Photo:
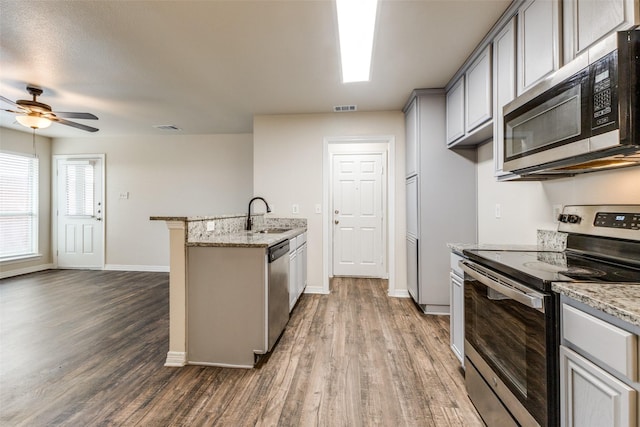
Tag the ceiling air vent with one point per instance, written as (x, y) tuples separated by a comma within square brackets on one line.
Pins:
[(344, 108), (172, 128)]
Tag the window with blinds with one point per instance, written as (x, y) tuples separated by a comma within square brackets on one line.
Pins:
[(79, 186), (18, 205)]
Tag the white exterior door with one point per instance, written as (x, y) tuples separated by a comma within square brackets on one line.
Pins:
[(80, 212), (358, 198)]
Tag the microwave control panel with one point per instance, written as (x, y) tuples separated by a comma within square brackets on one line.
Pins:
[(603, 84)]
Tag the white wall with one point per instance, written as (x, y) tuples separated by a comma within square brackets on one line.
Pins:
[(528, 206), (177, 175), (288, 168), (22, 142)]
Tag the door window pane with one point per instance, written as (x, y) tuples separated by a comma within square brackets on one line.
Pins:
[(79, 189)]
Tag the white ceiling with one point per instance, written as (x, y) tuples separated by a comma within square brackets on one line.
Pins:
[(209, 66)]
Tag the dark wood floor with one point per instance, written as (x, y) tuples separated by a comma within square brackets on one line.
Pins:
[(84, 348)]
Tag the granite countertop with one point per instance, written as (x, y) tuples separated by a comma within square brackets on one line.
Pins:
[(195, 218), (247, 239), (619, 300)]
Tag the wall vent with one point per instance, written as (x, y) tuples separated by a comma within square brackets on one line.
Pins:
[(344, 108), (172, 128)]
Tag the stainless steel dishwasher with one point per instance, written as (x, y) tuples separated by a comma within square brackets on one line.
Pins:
[(278, 291)]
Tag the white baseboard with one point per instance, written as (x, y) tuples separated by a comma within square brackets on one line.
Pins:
[(127, 267), (176, 359), (25, 270), (399, 293), (315, 290)]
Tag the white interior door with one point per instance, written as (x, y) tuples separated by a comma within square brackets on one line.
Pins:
[(80, 212), (357, 194)]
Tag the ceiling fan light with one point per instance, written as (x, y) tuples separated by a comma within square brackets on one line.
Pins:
[(34, 121)]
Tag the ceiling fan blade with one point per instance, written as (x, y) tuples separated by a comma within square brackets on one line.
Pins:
[(74, 124), (70, 115), (13, 111), (8, 101)]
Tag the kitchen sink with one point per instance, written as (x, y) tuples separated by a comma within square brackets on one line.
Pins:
[(272, 231)]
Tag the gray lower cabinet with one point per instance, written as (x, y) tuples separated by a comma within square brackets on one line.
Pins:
[(598, 370), (297, 268)]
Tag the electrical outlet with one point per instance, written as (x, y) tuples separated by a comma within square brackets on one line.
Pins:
[(124, 195), (211, 225), (557, 210), (498, 211), (318, 208), (295, 208)]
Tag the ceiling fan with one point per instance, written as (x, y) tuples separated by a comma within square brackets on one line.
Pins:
[(36, 115)]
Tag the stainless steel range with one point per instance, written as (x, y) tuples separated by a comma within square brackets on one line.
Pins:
[(511, 314)]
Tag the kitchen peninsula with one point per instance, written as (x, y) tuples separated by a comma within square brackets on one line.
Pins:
[(219, 287)]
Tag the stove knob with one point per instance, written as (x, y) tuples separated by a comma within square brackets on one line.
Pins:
[(574, 219), (562, 218)]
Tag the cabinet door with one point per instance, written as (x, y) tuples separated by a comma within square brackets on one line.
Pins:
[(455, 111), (478, 91), (303, 255), (591, 397), (293, 276), (504, 86), (538, 42), (588, 21), (412, 267), (456, 327), (299, 272), (411, 131)]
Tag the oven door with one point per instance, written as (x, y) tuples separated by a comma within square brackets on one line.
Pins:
[(507, 331)]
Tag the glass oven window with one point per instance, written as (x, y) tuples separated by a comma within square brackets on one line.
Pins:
[(511, 338)]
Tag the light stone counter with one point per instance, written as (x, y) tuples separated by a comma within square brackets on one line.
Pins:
[(246, 239), (619, 300)]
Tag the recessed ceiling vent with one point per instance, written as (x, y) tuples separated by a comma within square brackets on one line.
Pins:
[(344, 108), (172, 128)]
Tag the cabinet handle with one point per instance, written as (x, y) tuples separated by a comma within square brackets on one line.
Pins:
[(336, 221)]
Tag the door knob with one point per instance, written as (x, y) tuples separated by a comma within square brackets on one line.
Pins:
[(336, 221)]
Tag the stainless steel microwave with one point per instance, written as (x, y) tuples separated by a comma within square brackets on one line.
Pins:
[(585, 117)]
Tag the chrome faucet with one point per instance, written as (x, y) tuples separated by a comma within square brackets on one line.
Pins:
[(249, 211)]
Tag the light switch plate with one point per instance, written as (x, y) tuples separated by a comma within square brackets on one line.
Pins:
[(318, 208), (295, 208), (124, 195)]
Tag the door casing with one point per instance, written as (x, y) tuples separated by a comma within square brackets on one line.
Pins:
[(384, 144)]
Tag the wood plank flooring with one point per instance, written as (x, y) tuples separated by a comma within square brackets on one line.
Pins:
[(80, 348)]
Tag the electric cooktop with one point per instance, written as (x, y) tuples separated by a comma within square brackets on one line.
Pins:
[(539, 269)]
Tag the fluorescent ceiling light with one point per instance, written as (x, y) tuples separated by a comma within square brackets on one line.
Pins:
[(356, 23)]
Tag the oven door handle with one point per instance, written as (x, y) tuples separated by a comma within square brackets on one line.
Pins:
[(499, 283)]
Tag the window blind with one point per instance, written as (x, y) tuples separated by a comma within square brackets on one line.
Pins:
[(79, 186), (18, 205)]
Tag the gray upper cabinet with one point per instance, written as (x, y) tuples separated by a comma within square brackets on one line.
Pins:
[(469, 104), (478, 92), (455, 112), (504, 86), (411, 128), (538, 42), (585, 22)]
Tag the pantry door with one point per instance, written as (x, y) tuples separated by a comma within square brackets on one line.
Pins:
[(79, 214), (357, 211)]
